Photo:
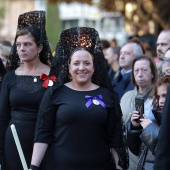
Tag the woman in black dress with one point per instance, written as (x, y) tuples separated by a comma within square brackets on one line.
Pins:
[(23, 88), (80, 120)]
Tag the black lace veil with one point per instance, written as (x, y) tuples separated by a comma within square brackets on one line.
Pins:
[(34, 22), (81, 37)]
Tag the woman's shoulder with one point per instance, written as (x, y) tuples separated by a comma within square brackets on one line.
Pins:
[(10, 74), (9, 77), (129, 94)]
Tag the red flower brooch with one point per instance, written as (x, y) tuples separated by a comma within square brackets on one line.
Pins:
[(48, 80)]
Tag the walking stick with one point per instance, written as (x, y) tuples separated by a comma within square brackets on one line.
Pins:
[(17, 142)]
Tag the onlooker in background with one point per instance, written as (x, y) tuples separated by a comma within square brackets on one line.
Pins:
[(163, 43), (122, 83), (112, 57), (160, 91), (6, 43), (5, 48), (135, 30), (143, 132), (137, 41), (4, 53), (113, 43), (162, 160), (148, 40), (144, 75), (164, 68), (105, 44)]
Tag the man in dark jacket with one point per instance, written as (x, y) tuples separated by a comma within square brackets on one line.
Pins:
[(122, 83)]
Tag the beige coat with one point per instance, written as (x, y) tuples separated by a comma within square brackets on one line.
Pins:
[(127, 106)]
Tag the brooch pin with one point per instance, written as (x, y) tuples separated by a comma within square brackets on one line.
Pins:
[(95, 100), (48, 80)]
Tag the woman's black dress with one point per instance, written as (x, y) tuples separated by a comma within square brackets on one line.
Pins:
[(80, 138), (20, 99)]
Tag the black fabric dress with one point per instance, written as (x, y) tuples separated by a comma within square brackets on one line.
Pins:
[(20, 99), (80, 138)]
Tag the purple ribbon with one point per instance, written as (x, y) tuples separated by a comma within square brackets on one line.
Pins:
[(91, 99)]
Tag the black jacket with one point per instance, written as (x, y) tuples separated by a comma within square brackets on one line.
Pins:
[(122, 83), (142, 142)]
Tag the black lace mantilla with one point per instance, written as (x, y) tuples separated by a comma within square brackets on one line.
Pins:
[(121, 148)]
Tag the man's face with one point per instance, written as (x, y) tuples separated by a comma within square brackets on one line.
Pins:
[(126, 57), (110, 56), (163, 43)]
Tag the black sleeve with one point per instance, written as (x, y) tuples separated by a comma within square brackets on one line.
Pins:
[(4, 109), (44, 132), (133, 138), (149, 136)]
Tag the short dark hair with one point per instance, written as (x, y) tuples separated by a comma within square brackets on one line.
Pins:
[(152, 66), (105, 43)]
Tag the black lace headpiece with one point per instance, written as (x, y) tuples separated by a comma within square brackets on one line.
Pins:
[(81, 37), (34, 22)]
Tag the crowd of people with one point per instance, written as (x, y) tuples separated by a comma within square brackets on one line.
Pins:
[(76, 109)]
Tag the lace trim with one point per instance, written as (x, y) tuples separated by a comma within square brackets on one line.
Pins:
[(27, 83)]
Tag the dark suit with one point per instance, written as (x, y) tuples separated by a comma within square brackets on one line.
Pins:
[(162, 161), (122, 84)]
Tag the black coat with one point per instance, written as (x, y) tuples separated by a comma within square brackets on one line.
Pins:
[(142, 142), (162, 161), (122, 83)]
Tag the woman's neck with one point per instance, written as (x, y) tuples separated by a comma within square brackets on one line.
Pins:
[(31, 65), (144, 89), (82, 87), (33, 69)]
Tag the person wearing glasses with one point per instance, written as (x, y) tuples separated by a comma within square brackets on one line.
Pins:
[(167, 54), (164, 68)]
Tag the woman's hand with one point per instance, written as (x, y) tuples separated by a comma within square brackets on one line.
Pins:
[(135, 118), (145, 121)]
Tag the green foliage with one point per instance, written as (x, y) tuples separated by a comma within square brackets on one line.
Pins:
[(53, 25), (2, 11)]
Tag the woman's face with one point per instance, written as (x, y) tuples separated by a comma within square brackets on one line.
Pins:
[(81, 67), (161, 92), (142, 74), (27, 49)]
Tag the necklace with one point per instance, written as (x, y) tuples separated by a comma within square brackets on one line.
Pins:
[(35, 79)]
